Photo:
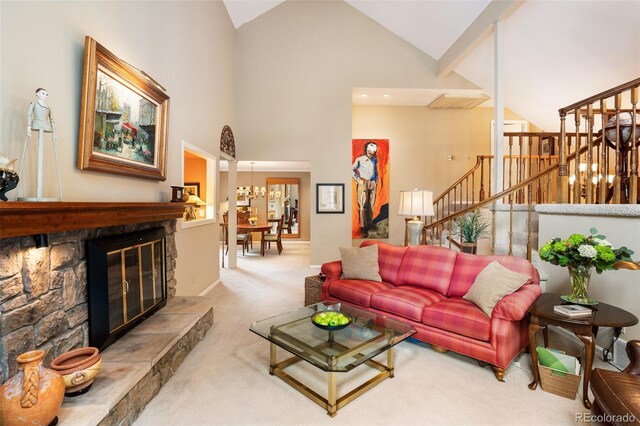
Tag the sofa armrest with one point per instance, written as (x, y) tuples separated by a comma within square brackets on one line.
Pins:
[(514, 306), (332, 270)]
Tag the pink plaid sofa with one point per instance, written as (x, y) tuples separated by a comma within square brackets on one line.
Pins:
[(424, 285)]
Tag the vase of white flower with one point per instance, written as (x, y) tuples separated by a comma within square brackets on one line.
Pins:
[(581, 254), (580, 286)]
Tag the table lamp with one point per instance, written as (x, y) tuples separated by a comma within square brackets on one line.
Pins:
[(415, 203), (192, 204)]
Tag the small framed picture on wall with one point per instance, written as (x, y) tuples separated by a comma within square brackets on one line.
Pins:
[(329, 198), (192, 188), (242, 199)]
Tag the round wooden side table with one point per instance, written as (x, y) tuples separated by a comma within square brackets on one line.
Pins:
[(541, 315)]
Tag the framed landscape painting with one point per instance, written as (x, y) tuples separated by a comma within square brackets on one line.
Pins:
[(123, 117)]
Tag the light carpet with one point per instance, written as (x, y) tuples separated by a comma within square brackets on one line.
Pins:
[(225, 379)]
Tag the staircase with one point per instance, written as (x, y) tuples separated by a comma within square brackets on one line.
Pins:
[(592, 166)]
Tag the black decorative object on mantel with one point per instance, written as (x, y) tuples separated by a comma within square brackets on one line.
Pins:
[(8, 181)]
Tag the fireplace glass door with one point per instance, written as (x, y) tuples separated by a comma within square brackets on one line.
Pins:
[(128, 275)]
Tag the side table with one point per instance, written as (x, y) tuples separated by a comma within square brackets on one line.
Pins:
[(313, 289), (541, 315)]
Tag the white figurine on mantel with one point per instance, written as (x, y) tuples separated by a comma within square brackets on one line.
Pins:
[(39, 118)]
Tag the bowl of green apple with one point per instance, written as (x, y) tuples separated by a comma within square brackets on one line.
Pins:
[(331, 320)]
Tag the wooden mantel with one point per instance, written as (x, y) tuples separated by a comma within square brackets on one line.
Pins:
[(31, 218)]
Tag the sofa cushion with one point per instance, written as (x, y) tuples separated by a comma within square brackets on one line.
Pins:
[(468, 266), (389, 259), (458, 316), (429, 267), (406, 301), (357, 291), (360, 263), (492, 284)]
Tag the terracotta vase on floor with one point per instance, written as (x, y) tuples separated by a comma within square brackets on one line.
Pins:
[(33, 396)]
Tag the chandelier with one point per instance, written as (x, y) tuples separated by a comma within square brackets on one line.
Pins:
[(251, 192), (596, 178)]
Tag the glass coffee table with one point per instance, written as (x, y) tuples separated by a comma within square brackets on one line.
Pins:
[(339, 351)]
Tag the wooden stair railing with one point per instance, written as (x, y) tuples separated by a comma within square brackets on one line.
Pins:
[(609, 172), (619, 163), (434, 230), (528, 153)]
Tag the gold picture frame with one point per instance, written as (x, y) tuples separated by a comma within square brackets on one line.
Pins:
[(124, 117)]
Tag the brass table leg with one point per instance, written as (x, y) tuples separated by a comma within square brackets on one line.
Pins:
[(272, 358), (332, 403), (332, 407)]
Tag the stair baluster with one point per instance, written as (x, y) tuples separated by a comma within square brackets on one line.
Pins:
[(633, 178)]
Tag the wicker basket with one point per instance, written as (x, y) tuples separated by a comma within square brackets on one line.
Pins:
[(559, 382), (313, 289)]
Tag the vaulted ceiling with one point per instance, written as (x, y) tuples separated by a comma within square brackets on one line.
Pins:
[(555, 52)]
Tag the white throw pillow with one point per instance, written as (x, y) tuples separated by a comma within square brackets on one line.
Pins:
[(360, 263), (492, 284)]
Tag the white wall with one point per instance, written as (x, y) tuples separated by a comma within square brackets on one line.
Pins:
[(621, 226), (296, 67), (186, 46), (555, 54)]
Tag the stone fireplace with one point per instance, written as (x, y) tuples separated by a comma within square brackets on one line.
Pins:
[(43, 292)]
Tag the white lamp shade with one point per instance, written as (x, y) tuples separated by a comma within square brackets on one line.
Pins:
[(416, 203)]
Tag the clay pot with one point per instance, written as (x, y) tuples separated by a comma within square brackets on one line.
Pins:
[(468, 247), (33, 396), (78, 368)]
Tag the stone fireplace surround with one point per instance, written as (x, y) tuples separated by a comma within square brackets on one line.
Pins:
[(43, 292), (43, 303)]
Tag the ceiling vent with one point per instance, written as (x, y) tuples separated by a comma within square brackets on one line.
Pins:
[(458, 101)]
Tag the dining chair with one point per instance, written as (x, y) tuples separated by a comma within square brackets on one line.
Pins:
[(242, 239), (289, 223), (274, 238)]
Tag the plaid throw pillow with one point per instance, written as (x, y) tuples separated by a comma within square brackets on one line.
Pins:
[(360, 263), (492, 284)]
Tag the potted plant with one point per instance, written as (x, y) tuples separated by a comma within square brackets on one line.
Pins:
[(472, 227), (580, 254)]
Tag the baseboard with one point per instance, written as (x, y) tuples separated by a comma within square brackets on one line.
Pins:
[(211, 287)]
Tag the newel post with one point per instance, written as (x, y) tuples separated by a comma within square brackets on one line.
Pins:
[(562, 185)]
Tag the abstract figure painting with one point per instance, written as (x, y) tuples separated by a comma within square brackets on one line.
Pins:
[(370, 188)]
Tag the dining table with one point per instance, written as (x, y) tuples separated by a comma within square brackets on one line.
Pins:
[(247, 228)]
